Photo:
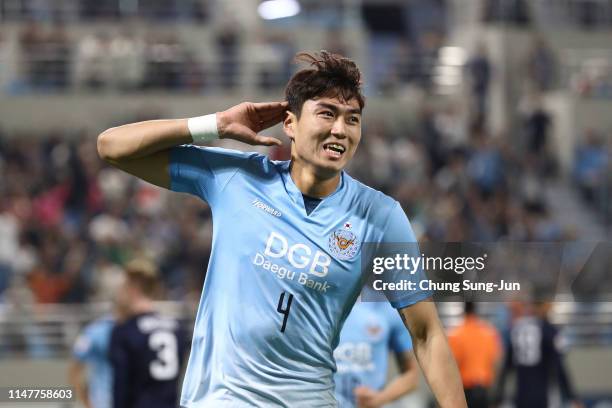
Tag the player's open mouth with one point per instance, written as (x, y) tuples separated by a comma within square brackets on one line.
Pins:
[(334, 150)]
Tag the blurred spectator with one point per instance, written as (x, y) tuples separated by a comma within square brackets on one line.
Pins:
[(194, 76), (432, 139), (227, 43), (93, 67), (451, 126), (5, 62), (541, 65), (48, 281), (428, 44), (589, 12), (591, 165), (31, 38), (54, 58), (164, 61), (453, 177), (335, 43), (9, 244), (126, 52), (405, 68), (273, 56), (537, 123), (99, 9), (485, 165), (539, 226), (479, 70), (506, 11)]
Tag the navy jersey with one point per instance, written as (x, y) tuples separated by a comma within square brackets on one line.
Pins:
[(533, 351), (146, 352)]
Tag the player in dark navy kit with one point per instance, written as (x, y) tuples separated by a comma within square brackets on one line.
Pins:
[(533, 351), (146, 350)]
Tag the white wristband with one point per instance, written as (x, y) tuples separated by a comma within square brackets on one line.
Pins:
[(203, 128)]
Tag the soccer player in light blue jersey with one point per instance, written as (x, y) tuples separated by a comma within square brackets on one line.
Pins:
[(371, 331), (90, 371), (284, 271)]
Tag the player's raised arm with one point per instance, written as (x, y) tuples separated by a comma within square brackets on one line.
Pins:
[(142, 148), (433, 354)]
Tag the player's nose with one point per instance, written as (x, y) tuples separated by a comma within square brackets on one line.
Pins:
[(339, 128)]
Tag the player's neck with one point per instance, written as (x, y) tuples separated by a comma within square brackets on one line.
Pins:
[(311, 184), (141, 306)]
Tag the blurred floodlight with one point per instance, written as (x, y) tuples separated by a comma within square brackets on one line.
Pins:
[(274, 9), (452, 56)]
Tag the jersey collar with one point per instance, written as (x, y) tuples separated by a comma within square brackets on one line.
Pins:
[(295, 193)]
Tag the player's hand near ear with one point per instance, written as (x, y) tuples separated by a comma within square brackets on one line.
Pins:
[(244, 121)]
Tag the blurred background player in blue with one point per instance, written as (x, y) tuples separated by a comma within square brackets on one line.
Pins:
[(371, 331), (90, 371), (146, 350), (535, 354)]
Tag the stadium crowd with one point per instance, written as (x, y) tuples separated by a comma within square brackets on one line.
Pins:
[(68, 221)]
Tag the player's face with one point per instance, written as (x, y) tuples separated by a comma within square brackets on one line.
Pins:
[(326, 135)]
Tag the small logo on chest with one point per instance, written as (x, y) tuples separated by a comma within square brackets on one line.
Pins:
[(343, 243), (374, 331), (257, 203)]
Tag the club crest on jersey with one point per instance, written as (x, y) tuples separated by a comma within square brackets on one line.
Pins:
[(343, 243)]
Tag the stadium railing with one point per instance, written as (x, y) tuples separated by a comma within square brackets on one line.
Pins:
[(50, 330)]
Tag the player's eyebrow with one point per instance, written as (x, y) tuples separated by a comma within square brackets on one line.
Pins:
[(335, 108)]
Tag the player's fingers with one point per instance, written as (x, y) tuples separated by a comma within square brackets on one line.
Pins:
[(275, 118), (270, 122), (268, 109), (267, 141)]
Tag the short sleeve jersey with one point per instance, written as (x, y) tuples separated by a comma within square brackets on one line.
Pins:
[(91, 349), (371, 331), (280, 282)]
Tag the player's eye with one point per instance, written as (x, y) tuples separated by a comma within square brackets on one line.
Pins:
[(354, 119), (328, 114)]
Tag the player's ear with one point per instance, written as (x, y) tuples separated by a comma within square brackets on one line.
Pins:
[(289, 124)]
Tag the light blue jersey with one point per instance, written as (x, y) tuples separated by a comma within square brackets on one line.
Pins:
[(280, 283), (370, 332), (91, 348)]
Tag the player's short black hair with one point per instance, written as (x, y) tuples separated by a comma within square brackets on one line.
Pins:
[(329, 75)]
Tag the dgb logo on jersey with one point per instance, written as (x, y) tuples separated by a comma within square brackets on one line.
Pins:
[(343, 243)]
